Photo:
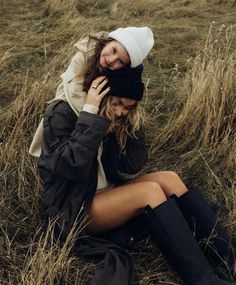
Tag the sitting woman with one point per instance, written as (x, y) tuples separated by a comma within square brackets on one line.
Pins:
[(82, 164)]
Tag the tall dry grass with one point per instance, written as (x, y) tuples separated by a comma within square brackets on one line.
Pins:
[(193, 121), (28, 253), (199, 138), (207, 94)]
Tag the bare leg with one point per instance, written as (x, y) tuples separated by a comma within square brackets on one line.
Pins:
[(113, 208), (169, 181)]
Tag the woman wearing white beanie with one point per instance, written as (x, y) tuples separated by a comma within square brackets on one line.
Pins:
[(114, 50), (137, 41)]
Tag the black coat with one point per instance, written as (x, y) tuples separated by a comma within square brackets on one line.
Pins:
[(68, 168)]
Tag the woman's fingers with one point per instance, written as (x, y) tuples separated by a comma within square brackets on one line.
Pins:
[(101, 85), (97, 82), (103, 93), (95, 93)]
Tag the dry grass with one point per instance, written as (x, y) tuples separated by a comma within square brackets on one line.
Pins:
[(190, 75), (201, 129)]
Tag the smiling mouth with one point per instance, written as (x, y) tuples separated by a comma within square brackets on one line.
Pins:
[(105, 61)]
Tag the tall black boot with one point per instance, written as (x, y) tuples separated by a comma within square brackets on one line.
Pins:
[(175, 240), (203, 220)]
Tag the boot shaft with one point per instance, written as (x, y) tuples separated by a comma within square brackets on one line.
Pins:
[(174, 238), (205, 223)]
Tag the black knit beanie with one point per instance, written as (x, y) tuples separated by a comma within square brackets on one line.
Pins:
[(126, 82)]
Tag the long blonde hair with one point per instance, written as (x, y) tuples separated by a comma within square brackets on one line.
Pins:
[(123, 126)]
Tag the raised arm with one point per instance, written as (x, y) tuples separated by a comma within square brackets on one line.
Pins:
[(70, 143)]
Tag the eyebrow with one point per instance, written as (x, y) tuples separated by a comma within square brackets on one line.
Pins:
[(132, 105)]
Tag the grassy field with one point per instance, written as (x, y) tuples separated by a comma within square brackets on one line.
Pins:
[(190, 101)]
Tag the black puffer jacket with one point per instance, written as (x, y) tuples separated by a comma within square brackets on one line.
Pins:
[(68, 168)]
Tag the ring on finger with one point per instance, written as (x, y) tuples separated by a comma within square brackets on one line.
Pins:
[(94, 87)]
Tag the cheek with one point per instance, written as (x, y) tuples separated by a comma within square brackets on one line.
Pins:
[(125, 112), (107, 51), (113, 108), (104, 51)]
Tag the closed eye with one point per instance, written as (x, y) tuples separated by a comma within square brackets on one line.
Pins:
[(115, 103), (128, 108)]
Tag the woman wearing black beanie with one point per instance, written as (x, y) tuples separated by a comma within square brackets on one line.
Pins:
[(82, 166)]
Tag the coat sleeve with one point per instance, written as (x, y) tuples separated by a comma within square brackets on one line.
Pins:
[(130, 161), (70, 144), (135, 155), (73, 82)]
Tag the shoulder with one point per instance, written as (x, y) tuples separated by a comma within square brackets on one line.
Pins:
[(60, 108), (58, 105), (84, 44)]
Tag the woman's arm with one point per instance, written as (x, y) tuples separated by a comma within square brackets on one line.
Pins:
[(70, 144), (130, 162), (135, 155)]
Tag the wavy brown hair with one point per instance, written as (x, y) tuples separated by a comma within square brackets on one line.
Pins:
[(93, 70), (123, 126)]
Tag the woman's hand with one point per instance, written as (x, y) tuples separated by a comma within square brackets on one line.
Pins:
[(95, 95)]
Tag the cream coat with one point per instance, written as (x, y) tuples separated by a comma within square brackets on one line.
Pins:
[(71, 90)]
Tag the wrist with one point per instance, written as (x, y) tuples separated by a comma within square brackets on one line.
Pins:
[(90, 108)]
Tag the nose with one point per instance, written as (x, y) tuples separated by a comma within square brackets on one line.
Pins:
[(112, 59), (118, 112)]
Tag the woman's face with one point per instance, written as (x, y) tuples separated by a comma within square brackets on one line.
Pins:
[(122, 106), (114, 56)]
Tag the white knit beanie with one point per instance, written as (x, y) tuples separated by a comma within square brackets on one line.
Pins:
[(137, 41)]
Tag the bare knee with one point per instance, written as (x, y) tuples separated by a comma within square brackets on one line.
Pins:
[(153, 194), (171, 183), (169, 175)]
